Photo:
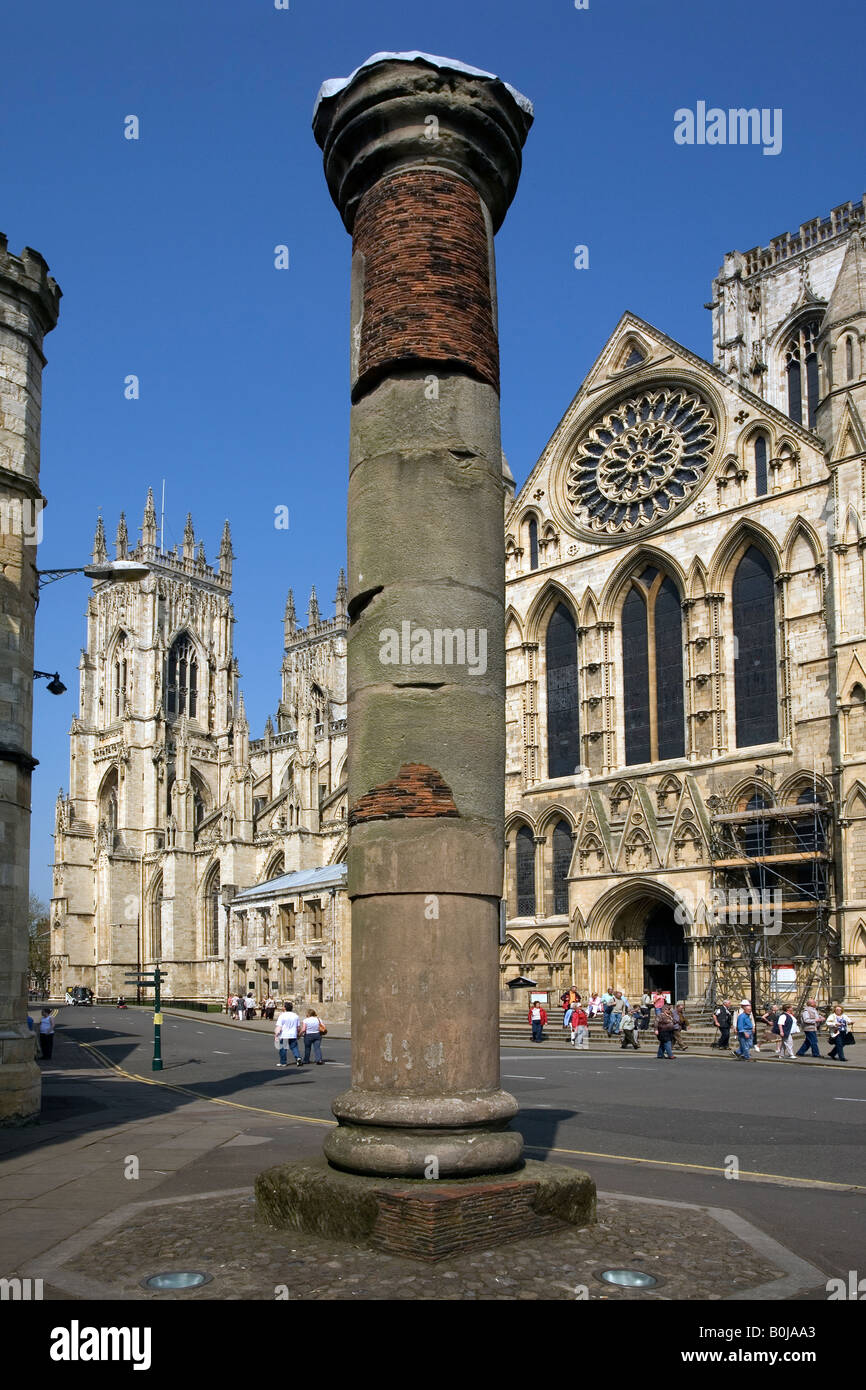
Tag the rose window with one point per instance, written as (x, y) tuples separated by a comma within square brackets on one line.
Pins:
[(640, 460)]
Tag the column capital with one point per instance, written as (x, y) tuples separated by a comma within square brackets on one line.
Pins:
[(400, 111)]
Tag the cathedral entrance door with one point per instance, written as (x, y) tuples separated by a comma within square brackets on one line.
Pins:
[(664, 949)]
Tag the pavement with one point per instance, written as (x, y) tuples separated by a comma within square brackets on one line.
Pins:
[(760, 1167)]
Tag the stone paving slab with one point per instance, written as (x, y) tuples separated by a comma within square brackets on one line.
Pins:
[(695, 1253)]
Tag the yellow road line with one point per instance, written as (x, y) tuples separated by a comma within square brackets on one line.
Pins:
[(536, 1148), (701, 1168), (198, 1095)]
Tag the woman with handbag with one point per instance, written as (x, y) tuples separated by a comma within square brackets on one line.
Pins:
[(839, 1027), (314, 1031)]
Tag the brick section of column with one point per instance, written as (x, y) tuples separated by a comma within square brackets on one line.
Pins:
[(415, 791), (427, 294)]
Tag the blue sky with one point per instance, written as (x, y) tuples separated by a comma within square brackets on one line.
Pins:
[(164, 250)]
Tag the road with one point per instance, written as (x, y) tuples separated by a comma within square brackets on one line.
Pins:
[(795, 1133)]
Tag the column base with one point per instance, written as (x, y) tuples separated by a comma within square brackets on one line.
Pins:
[(424, 1220), (423, 1153), (20, 1090)]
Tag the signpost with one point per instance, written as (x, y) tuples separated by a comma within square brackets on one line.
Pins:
[(152, 980)]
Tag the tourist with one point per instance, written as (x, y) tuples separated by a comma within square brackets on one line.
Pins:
[(269, 1007), (242, 1007), (785, 1024), (607, 1002), (579, 1023), (46, 1036), (810, 1019), (745, 1031), (681, 1023), (659, 1000), (250, 1004), (313, 1029), (628, 1029), (771, 1018), (286, 1034), (665, 1031), (839, 1026), (617, 1012), (537, 1018), (594, 1005), (722, 1018)]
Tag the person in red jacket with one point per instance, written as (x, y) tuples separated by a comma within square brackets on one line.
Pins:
[(538, 1018)]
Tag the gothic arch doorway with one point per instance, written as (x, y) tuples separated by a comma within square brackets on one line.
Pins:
[(664, 949)]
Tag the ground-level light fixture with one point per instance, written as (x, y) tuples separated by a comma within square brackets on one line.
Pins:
[(176, 1279), (629, 1278), (55, 684)]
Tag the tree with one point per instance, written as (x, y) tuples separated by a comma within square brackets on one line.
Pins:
[(39, 943)]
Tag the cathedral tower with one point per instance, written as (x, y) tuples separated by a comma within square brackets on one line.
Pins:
[(159, 749)]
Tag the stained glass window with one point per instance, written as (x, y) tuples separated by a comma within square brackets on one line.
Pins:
[(652, 654), (760, 465), (561, 863), (563, 718), (757, 718), (525, 872)]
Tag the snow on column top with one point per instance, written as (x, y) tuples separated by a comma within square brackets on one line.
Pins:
[(334, 85)]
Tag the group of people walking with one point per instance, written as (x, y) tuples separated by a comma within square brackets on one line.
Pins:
[(668, 1022), (289, 1027), (782, 1028), (621, 1019), (243, 1006)]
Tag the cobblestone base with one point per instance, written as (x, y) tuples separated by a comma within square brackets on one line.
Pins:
[(692, 1255)]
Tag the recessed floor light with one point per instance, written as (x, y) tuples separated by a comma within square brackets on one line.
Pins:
[(628, 1278), (178, 1279)]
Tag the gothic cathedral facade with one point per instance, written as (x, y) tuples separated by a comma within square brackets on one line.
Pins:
[(686, 705)]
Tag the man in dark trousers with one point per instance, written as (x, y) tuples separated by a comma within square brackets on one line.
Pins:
[(722, 1018), (46, 1036)]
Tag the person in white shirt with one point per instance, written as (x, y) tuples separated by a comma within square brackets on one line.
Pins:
[(46, 1035), (312, 1036), (838, 1026), (286, 1033)]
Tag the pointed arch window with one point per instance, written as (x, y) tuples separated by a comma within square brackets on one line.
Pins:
[(525, 872), (754, 613), (561, 865), (652, 664), (563, 719), (156, 920), (121, 675), (801, 368), (533, 543), (181, 694), (760, 465), (212, 913), (849, 359)]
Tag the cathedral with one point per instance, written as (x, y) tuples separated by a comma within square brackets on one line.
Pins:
[(183, 841), (686, 708)]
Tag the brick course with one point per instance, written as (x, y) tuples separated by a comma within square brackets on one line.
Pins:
[(427, 295), (415, 791)]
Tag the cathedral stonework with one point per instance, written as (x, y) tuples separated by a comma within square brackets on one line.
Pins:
[(686, 695), (173, 810)]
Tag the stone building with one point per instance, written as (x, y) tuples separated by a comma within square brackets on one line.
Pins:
[(173, 810), (686, 648), (29, 306)]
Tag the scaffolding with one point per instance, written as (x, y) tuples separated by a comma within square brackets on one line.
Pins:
[(770, 923)]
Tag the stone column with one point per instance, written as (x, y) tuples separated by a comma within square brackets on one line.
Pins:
[(422, 158), (29, 301)]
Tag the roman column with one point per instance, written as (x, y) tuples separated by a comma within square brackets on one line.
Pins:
[(29, 301), (422, 157)]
